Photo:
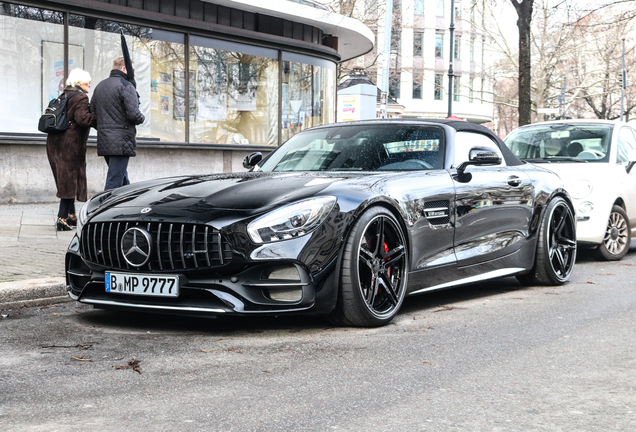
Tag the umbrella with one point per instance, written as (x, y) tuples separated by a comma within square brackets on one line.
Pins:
[(127, 61)]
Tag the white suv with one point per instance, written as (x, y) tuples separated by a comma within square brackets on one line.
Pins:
[(594, 158)]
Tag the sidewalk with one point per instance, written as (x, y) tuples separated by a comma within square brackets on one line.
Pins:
[(31, 256)]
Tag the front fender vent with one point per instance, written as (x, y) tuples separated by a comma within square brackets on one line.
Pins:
[(437, 212), (175, 246)]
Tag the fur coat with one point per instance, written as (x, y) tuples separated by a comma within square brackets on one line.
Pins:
[(67, 151)]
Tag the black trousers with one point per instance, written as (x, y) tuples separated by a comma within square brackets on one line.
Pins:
[(117, 172), (67, 207)]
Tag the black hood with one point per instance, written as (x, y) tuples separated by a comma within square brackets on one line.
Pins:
[(212, 197)]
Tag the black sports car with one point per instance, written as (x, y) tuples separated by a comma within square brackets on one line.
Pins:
[(342, 220)]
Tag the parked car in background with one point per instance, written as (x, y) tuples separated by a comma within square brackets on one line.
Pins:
[(342, 220), (595, 160)]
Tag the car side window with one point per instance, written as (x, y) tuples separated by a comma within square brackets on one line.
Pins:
[(464, 141), (626, 142)]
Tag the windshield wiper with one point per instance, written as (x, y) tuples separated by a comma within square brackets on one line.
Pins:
[(555, 159)]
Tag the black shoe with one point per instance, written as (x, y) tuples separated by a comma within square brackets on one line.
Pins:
[(62, 225), (71, 220)]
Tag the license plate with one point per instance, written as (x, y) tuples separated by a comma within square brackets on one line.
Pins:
[(145, 285)]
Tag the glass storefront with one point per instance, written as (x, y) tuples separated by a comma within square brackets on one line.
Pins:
[(308, 96), (236, 93), (32, 64), (192, 89)]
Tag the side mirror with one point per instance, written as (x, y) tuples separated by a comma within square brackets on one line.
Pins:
[(631, 156), (252, 159), (480, 156)]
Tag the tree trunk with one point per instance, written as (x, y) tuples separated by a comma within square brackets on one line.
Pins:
[(524, 15)]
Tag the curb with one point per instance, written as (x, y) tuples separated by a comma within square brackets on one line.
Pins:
[(32, 292)]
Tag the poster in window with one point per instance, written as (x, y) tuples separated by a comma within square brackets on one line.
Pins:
[(164, 78), (212, 90), (53, 68), (165, 104), (242, 86), (178, 100)]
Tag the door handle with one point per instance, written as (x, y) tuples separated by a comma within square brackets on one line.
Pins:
[(514, 180)]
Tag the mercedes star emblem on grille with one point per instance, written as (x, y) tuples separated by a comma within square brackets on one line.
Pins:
[(136, 246)]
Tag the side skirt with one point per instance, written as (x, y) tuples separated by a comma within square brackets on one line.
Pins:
[(472, 279)]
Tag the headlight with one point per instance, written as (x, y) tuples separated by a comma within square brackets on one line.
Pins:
[(293, 220), (81, 217), (580, 189)]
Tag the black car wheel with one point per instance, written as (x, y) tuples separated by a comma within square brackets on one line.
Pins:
[(374, 271), (556, 248), (618, 236)]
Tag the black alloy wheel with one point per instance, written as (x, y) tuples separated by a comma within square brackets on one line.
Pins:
[(374, 271), (618, 236), (556, 248)]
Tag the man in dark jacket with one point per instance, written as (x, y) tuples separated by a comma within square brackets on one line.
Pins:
[(116, 103)]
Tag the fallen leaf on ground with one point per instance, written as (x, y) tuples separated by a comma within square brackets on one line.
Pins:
[(81, 359), (134, 364), (447, 308)]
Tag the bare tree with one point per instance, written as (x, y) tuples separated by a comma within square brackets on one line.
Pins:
[(369, 12), (595, 67), (524, 22)]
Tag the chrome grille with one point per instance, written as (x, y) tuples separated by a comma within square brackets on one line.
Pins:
[(176, 246), (437, 212)]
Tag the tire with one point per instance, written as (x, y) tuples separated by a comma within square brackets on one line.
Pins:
[(618, 236), (556, 246), (374, 271)]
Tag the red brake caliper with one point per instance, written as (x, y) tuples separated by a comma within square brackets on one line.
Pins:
[(386, 249)]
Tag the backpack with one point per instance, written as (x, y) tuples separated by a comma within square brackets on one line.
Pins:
[(53, 120)]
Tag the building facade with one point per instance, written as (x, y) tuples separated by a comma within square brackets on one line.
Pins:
[(216, 78), (419, 60)]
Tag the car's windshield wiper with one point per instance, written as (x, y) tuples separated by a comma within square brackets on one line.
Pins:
[(555, 159)]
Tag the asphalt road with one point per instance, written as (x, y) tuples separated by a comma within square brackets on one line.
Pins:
[(489, 357)]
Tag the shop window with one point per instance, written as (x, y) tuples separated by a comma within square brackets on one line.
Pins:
[(32, 41), (158, 59), (235, 93), (308, 89)]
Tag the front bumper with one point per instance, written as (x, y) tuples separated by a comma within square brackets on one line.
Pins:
[(249, 291)]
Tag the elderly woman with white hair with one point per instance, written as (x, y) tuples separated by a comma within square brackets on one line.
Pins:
[(67, 151)]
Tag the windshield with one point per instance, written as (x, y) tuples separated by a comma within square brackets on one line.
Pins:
[(360, 148), (561, 143)]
